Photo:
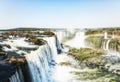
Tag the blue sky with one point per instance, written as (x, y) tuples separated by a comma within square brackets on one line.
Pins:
[(59, 13)]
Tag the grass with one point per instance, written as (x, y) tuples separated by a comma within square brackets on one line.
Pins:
[(115, 44), (94, 41), (49, 33), (65, 63), (3, 53), (88, 56), (95, 75)]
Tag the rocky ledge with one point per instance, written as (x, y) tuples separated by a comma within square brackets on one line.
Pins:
[(9, 64)]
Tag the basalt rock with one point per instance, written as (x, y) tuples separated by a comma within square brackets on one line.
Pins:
[(16, 61), (3, 55), (6, 70)]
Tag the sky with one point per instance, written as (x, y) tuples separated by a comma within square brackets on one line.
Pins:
[(59, 13)]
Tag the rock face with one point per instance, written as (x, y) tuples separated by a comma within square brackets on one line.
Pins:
[(3, 56), (9, 61), (6, 70)]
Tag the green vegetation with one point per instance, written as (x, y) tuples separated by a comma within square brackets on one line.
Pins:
[(97, 42), (94, 41), (65, 63), (115, 30), (93, 32), (16, 61), (95, 75), (115, 44), (49, 33), (3, 53), (37, 41), (16, 33), (91, 57)]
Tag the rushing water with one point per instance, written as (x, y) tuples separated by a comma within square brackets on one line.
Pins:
[(105, 35), (39, 61), (105, 45), (17, 77), (112, 55)]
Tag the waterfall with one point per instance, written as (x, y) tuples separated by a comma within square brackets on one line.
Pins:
[(17, 77), (52, 43), (105, 35), (107, 44), (78, 41), (61, 35), (112, 56), (80, 36), (113, 36), (39, 61)]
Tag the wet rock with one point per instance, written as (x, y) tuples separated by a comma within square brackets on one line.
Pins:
[(3, 55), (16, 61), (6, 70)]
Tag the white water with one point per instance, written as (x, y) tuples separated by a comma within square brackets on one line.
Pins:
[(77, 41), (17, 77), (112, 56), (52, 43), (62, 73), (61, 35), (113, 36), (105, 35), (105, 45), (39, 61)]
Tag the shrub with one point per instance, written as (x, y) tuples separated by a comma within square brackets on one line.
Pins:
[(95, 41), (49, 33), (115, 44), (87, 55), (65, 63), (16, 61), (37, 41)]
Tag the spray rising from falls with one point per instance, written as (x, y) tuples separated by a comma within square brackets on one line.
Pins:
[(78, 41), (39, 61)]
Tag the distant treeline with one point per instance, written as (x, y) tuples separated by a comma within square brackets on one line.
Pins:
[(115, 30), (33, 29)]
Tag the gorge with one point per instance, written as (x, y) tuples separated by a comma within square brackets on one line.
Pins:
[(59, 56)]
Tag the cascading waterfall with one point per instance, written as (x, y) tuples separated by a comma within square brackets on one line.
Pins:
[(61, 35), (78, 41), (105, 35), (113, 36), (112, 56), (106, 44), (39, 61), (52, 43), (80, 36), (17, 77)]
